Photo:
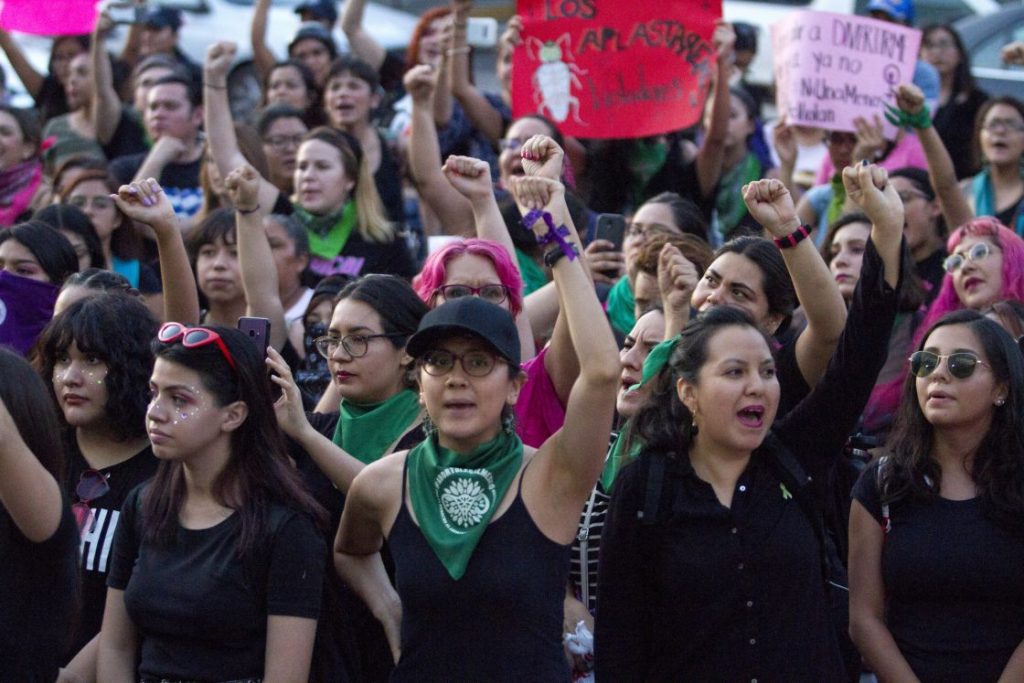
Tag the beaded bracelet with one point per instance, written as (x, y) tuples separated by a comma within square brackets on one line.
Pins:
[(554, 235), (794, 238)]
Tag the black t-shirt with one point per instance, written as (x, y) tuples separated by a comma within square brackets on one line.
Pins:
[(98, 538), (930, 270), (954, 122), (38, 587), (954, 585), (362, 257), (129, 137), (200, 610), (180, 182)]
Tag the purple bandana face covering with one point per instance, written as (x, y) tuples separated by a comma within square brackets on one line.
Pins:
[(25, 308)]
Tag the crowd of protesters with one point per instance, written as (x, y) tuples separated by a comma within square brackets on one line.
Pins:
[(356, 389)]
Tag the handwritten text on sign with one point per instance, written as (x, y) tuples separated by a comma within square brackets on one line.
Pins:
[(832, 68), (48, 18), (614, 69)]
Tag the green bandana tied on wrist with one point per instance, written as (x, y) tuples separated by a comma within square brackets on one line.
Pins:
[(454, 495), (901, 119), (366, 431)]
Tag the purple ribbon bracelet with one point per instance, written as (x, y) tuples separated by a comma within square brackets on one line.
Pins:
[(555, 234)]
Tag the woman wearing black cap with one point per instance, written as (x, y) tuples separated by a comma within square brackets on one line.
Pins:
[(478, 524)]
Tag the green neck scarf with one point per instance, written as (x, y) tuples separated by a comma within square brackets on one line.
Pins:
[(368, 431), (618, 458), (729, 206), (835, 205), (328, 233), (619, 306), (646, 158), (454, 495)]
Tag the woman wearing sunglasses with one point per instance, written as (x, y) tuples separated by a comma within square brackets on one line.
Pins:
[(217, 564), (478, 524), (97, 359), (936, 531), (38, 540)]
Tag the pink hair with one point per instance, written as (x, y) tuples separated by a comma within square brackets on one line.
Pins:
[(435, 269), (885, 398)]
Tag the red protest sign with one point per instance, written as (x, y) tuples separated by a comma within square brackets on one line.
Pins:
[(67, 17), (614, 69)]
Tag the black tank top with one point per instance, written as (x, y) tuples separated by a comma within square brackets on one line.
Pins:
[(502, 621)]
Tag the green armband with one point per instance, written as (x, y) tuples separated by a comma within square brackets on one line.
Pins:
[(900, 118)]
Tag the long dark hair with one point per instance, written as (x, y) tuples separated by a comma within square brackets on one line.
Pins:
[(665, 425), (963, 80), (998, 468), (118, 328), (258, 471), (24, 394)]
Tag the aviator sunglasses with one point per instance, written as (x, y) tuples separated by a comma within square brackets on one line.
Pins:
[(193, 338), (960, 364)]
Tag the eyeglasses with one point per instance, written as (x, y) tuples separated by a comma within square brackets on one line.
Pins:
[(193, 338), (939, 44), (960, 364), (283, 141), (474, 363), (92, 484), (98, 203), (910, 195), (996, 125), (355, 345), (494, 294), (511, 144), (977, 252)]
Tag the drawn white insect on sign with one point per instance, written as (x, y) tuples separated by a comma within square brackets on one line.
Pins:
[(555, 78)]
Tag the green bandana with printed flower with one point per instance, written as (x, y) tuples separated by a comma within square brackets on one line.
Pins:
[(454, 495)]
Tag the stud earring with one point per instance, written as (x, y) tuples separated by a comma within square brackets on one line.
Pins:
[(1000, 401)]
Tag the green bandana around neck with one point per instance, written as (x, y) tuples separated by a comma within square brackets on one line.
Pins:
[(656, 360), (618, 458), (619, 306), (454, 495), (329, 233), (533, 275), (366, 431)]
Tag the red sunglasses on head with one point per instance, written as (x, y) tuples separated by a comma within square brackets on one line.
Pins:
[(92, 484), (193, 338)]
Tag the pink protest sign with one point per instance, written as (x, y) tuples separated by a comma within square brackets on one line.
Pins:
[(831, 68), (48, 17), (612, 68)]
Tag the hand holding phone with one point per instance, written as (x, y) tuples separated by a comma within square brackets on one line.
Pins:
[(258, 331)]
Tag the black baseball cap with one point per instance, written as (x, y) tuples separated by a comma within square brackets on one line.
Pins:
[(316, 31), (318, 10), (468, 315)]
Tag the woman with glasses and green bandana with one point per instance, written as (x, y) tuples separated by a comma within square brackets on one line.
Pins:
[(937, 526), (479, 524)]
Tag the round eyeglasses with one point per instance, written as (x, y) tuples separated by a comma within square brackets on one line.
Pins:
[(960, 364), (977, 252), (355, 345)]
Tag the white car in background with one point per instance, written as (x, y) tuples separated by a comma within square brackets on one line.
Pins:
[(207, 21), (764, 13)]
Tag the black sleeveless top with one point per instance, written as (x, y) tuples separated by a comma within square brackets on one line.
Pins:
[(502, 621)]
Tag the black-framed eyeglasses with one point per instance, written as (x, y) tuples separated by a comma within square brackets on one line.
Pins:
[(92, 484), (284, 141), (493, 293), (355, 345), (977, 252), (440, 362), (960, 364)]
